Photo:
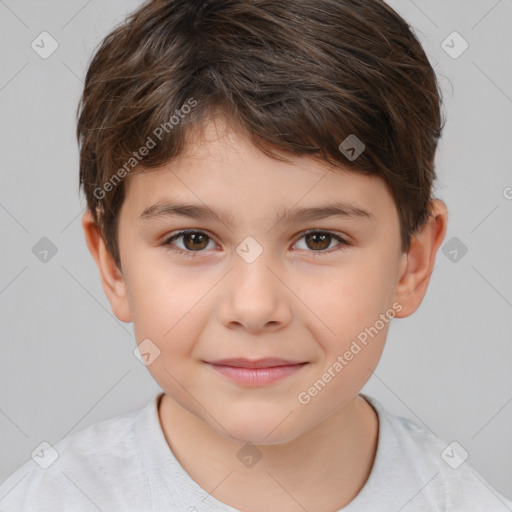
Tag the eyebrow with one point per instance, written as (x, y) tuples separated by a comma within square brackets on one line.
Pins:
[(294, 215)]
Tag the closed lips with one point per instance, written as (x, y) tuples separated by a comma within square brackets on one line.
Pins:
[(256, 364)]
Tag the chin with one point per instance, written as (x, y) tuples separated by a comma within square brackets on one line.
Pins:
[(259, 429)]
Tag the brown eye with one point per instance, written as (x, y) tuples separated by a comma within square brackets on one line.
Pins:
[(318, 240), (193, 241)]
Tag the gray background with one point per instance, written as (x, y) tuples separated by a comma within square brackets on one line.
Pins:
[(66, 362)]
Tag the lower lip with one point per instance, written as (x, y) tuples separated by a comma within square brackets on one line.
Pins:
[(257, 376)]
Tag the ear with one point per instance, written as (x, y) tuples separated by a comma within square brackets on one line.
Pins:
[(417, 264), (112, 279)]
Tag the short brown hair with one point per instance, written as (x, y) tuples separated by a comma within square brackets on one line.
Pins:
[(299, 76)]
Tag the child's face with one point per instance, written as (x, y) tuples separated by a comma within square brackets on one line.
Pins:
[(303, 299)]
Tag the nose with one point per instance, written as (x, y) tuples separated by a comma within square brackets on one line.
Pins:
[(254, 297)]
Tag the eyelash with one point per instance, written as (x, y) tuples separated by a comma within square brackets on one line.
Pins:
[(194, 254)]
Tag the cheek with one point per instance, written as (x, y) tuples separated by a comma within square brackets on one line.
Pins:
[(352, 295), (350, 304), (170, 313), (164, 305)]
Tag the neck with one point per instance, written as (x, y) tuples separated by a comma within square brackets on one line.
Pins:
[(323, 469)]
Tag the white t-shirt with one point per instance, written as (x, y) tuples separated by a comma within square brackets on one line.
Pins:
[(124, 464)]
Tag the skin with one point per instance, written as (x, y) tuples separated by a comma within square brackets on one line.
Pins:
[(287, 303)]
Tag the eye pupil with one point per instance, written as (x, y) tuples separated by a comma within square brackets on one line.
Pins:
[(320, 239), (194, 238)]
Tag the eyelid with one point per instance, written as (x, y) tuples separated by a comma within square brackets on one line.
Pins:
[(343, 243), (342, 239), (334, 234), (168, 239)]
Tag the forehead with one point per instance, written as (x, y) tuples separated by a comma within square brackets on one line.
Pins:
[(221, 167)]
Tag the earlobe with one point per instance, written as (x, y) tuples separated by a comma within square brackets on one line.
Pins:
[(112, 279), (417, 265)]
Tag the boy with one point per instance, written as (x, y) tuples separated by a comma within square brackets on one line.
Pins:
[(293, 143)]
